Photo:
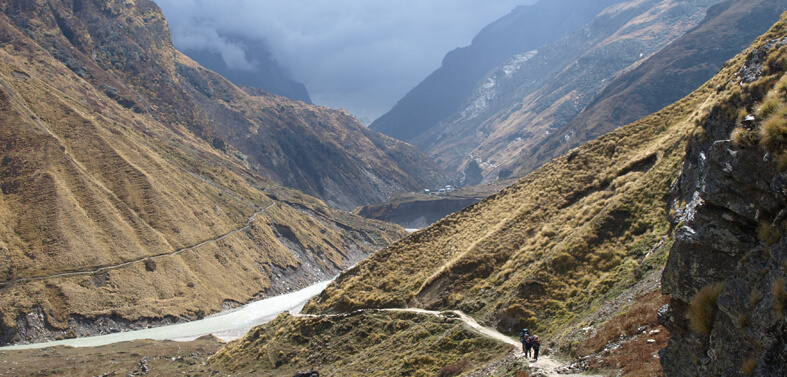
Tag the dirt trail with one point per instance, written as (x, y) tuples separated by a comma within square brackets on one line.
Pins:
[(545, 364), (142, 259)]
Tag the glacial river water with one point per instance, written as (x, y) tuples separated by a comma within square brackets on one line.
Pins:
[(228, 325)]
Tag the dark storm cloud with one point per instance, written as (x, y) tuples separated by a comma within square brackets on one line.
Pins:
[(361, 55)]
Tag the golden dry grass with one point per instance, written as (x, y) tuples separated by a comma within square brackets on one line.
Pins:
[(88, 183), (749, 367), (549, 249), (703, 308), (779, 298), (361, 343)]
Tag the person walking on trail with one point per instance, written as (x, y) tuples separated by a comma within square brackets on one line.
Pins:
[(536, 347), (527, 344), (524, 337)]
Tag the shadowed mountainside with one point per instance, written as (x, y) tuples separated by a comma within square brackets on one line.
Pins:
[(322, 152)]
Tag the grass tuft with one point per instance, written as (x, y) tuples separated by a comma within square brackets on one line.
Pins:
[(755, 298), (779, 298), (749, 366), (743, 321), (743, 137), (768, 233), (703, 307), (773, 134), (768, 107)]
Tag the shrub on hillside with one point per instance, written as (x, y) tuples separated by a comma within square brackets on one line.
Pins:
[(454, 369)]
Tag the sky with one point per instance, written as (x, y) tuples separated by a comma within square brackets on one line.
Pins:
[(358, 55)]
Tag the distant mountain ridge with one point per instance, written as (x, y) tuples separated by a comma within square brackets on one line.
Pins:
[(526, 101), (668, 75), (265, 73), (442, 93)]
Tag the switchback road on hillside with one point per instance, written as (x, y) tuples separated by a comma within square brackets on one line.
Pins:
[(251, 219)]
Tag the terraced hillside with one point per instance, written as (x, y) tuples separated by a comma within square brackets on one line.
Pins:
[(120, 204)]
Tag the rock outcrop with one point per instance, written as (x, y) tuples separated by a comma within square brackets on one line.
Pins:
[(727, 268)]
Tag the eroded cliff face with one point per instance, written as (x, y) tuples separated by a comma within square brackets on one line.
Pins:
[(726, 270)]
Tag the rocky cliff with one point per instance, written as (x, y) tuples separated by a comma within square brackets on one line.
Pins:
[(727, 269), (121, 206)]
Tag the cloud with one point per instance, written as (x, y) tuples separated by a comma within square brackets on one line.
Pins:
[(359, 55)]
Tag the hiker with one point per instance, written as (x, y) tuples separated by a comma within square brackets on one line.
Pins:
[(524, 337), (536, 347), (528, 344)]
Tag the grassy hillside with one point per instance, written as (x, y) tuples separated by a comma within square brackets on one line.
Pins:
[(116, 205), (550, 250), (362, 343)]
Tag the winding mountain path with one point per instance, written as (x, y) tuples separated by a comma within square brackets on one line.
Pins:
[(545, 364), (251, 219)]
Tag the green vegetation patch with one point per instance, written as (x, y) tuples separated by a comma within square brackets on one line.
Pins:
[(368, 343)]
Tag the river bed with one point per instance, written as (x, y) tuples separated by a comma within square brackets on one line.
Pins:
[(227, 325)]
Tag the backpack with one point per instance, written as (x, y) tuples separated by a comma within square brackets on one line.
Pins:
[(524, 333)]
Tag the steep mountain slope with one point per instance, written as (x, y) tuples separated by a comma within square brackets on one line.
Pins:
[(322, 152), (550, 251), (118, 206), (528, 99), (442, 93), (137, 66), (649, 85), (727, 269), (555, 251), (264, 73), (665, 77), (372, 343)]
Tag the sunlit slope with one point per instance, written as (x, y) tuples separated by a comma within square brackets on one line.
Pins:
[(112, 212), (558, 242), (123, 49), (361, 343), (668, 75)]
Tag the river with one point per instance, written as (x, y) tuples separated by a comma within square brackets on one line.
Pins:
[(227, 325)]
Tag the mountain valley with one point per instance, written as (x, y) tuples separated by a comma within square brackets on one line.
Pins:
[(642, 235), (123, 206)]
